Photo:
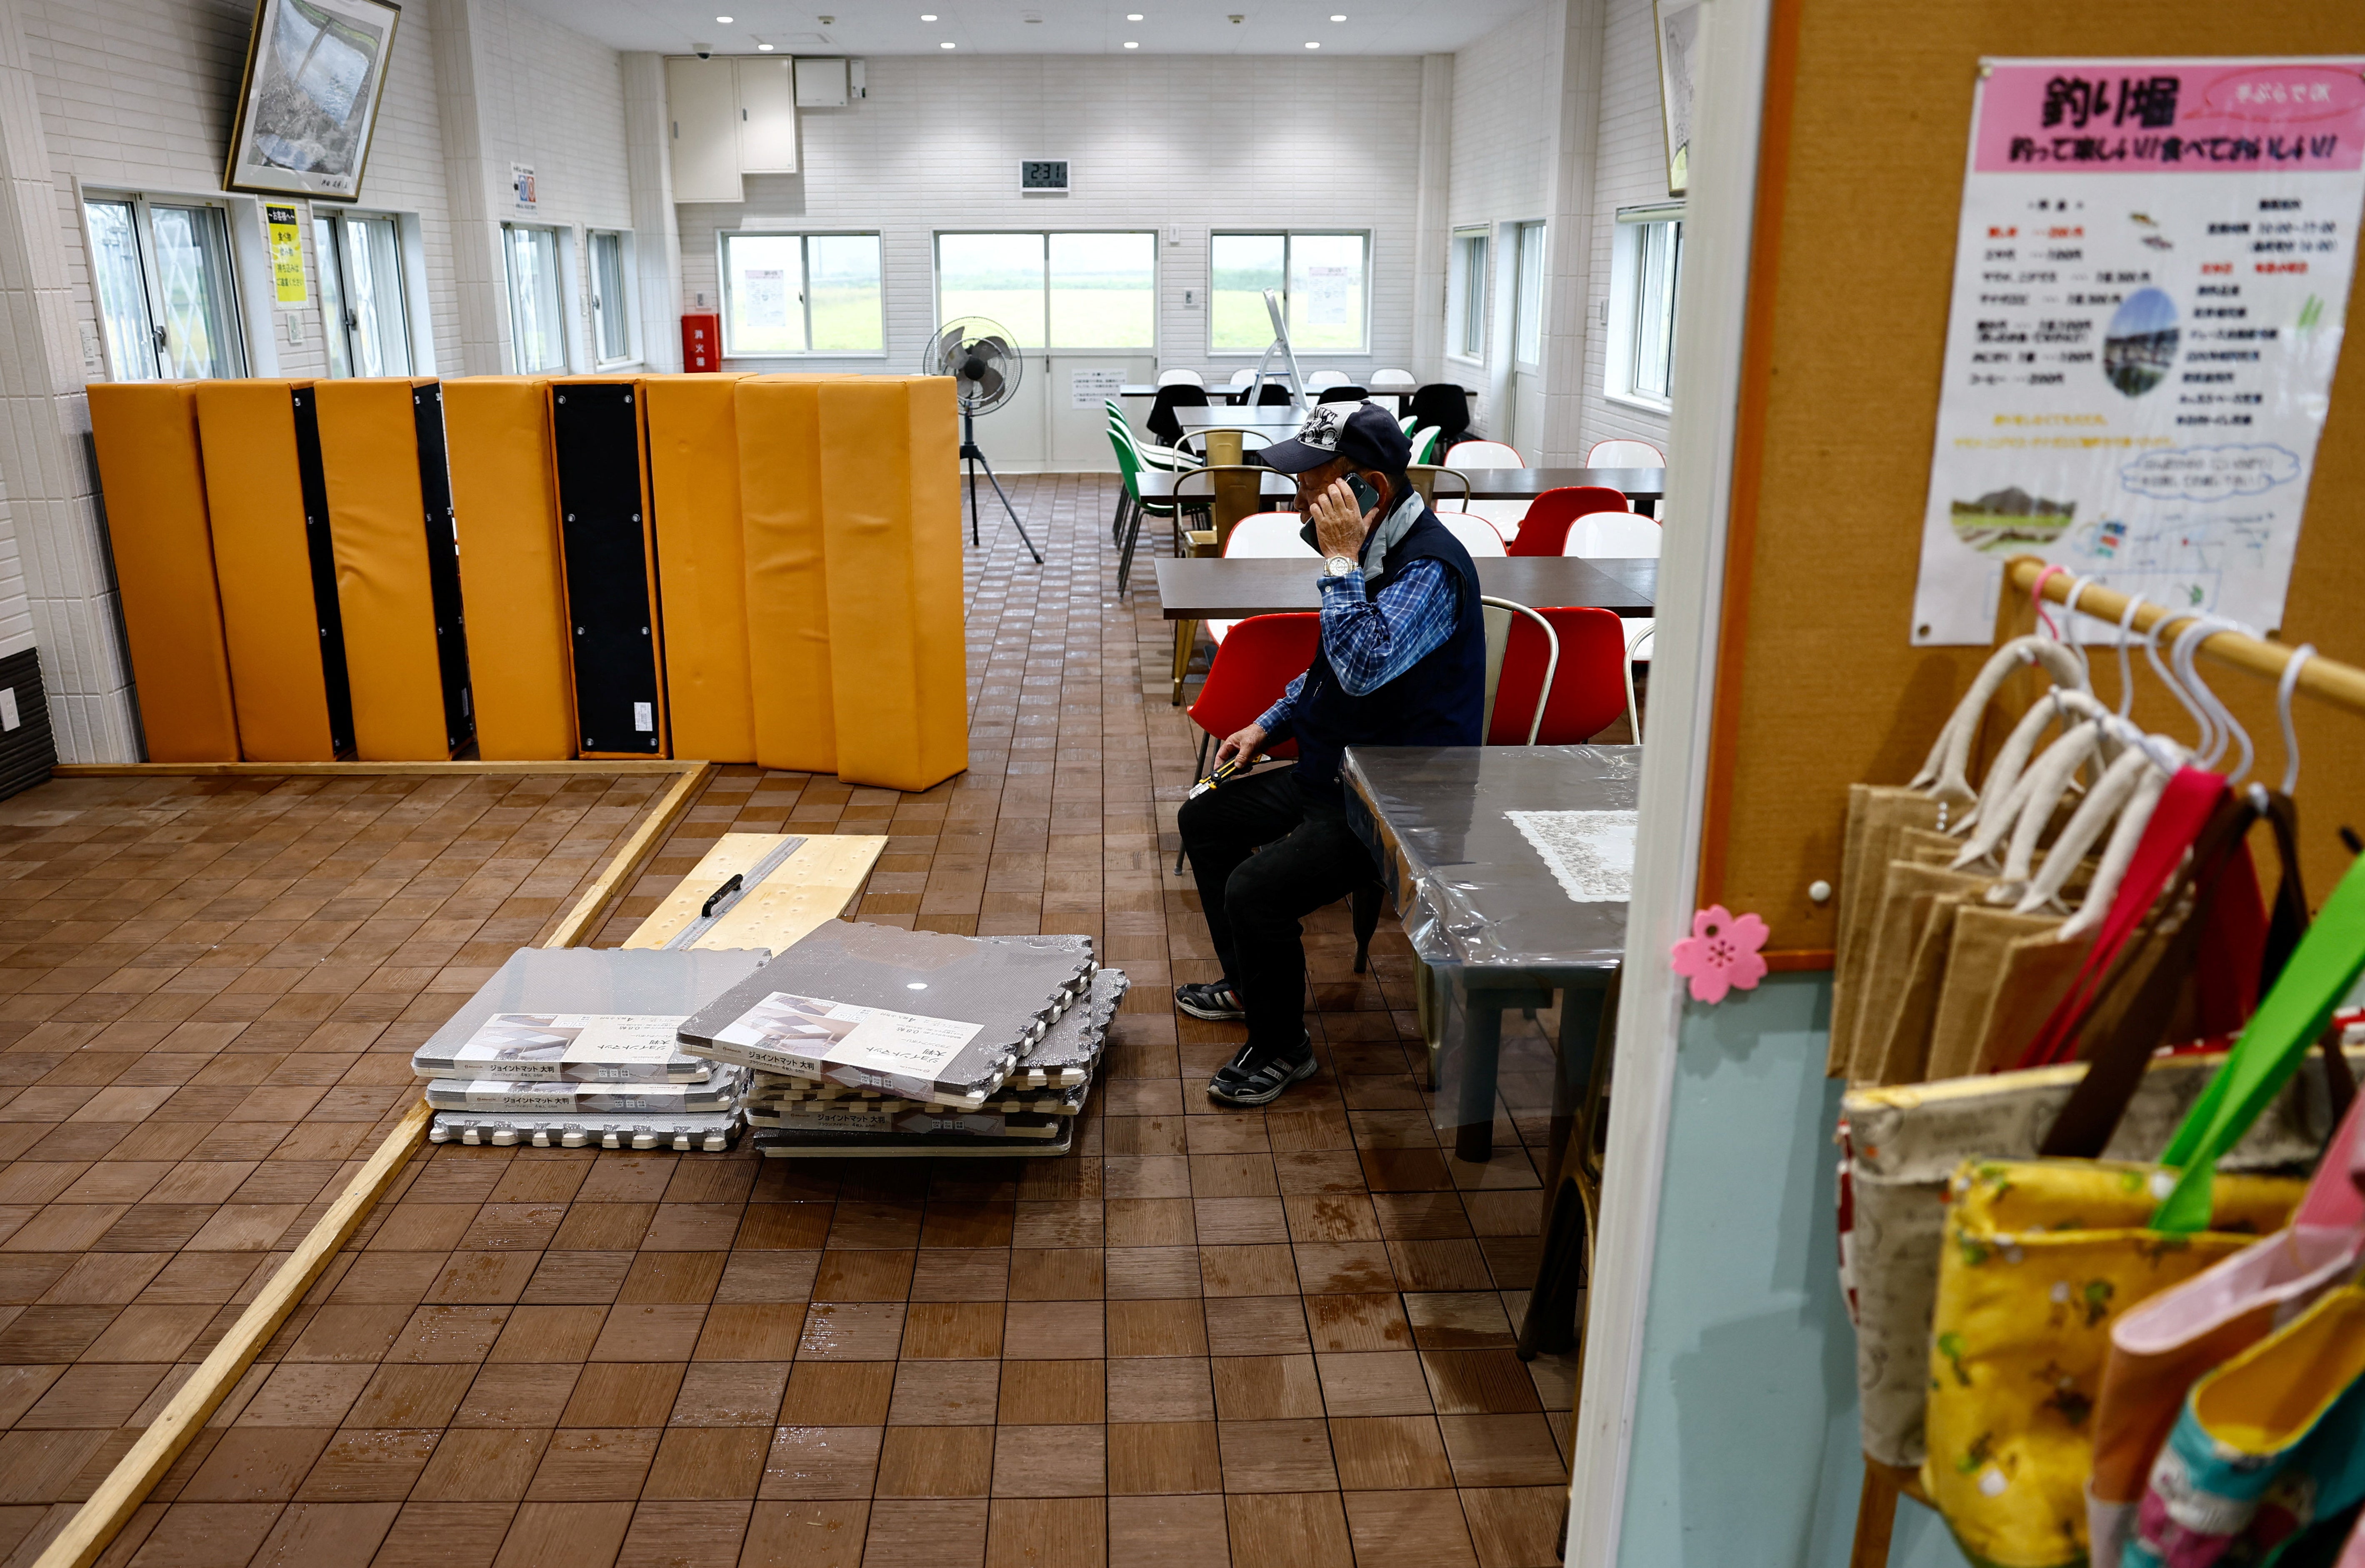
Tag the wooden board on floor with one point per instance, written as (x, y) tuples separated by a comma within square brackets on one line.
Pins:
[(820, 882)]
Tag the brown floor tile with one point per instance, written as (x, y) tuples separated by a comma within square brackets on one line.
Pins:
[(564, 1535), (1413, 1527), (1368, 1321), (313, 1533), (481, 1465), (517, 1395), (1516, 1527), (807, 1535), (1379, 1454), (947, 1394), (852, 1332), (207, 1535), (1256, 1326), (1502, 1450), (731, 1393), (942, 1330), (684, 1535), (1046, 1532), (1051, 1462), (926, 1535), (1382, 1383), (822, 1463), (1458, 1320), (1164, 1388), (444, 1535), (936, 1461), (864, 1276), (838, 1393), (1054, 1394), (708, 1463), (1471, 1383), (624, 1394), (1164, 1457), (1054, 1330), (1277, 1456), (1170, 1328), (1168, 1533), (256, 1464), (749, 1331), (1304, 1530), (368, 1465), (1266, 1388), (591, 1464)]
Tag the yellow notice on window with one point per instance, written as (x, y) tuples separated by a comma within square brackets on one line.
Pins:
[(286, 253)]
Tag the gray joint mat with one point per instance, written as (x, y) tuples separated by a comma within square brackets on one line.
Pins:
[(546, 981)]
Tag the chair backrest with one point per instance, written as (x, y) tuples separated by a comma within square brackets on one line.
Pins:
[(1544, 531), (1161, 422), (1521, 719), (1269, 535), (1128, 462), (1322, 378), (1193, 443), (1180, 377), (1613, 536), (1256, 661), (1483, 454), (1445, 403), (1588, 689), (1424, 441), (1243, 378), (1477, 535), (1393, 380), (1343, 393), (1625, 454), (1275, 392), (1432, 482)]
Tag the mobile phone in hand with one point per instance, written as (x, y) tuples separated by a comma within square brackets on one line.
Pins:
[(1366, 498)]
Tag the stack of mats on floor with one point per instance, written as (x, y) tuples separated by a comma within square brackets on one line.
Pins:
[(576, 1047), (873, 1040)]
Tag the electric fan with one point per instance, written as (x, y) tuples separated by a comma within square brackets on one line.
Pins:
[(985, 367)]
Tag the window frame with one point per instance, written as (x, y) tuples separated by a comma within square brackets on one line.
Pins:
[(1466, 291), (1288, 237), (231, 326), (1625, 309), (558, 325), (1156, 273), (804, 238), (329, 240), (602, 309), (1528, 293)]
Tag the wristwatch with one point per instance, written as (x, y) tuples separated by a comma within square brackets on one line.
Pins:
[(1338, 567)]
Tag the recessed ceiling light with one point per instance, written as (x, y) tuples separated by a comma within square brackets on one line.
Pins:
[(1314, 46), (1133, 15), (724, 20), (944, 46), (1131, 45), (1337, 17), (763, 49), (927, 16)]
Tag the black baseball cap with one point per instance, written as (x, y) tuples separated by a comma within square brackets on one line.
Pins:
[(1361, 433)]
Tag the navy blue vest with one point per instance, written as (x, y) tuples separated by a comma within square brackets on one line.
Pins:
[(1441, 700)]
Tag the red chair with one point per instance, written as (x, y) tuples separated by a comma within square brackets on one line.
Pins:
[(1550, 515), (1252, 667), (1589, 689)]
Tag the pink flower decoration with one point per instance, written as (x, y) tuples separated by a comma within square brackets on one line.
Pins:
[(1720, 955)]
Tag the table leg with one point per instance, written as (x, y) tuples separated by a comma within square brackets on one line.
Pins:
[(1482, 1048), (1186, 636), (1550, 1325)]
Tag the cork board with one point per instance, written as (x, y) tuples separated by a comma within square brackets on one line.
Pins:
[(1868, 113)]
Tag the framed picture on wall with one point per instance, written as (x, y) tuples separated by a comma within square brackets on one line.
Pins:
[(308, 104), (1678, 55)]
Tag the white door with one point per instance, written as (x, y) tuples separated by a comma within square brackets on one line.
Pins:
[(702, 109), (1079, 442), (1527, 423), (768, 118)]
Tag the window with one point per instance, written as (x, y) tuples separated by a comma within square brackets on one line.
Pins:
[(1079, 290), (611, 299), (537, 323), (1528, 347), (1645, 267), (1466, 283), (360, 260), (801, 294), (1321, 278), (166, 300)]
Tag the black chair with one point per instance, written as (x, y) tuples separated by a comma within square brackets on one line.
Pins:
[(1446, 405), (1342, 394), (1162, 421), (1273, 392)]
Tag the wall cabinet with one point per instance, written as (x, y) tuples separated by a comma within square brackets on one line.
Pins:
[(728, 117)]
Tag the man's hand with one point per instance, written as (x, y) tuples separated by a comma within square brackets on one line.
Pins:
[(1240, 746), (1338, 523)]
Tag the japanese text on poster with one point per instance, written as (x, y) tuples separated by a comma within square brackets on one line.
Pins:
[(1090, 389), (286, 254), (2149, 284)]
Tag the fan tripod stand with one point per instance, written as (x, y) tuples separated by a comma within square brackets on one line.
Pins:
[(973, 455)]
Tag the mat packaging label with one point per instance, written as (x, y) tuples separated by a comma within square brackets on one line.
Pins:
[(812, 1036), (542, 1045)]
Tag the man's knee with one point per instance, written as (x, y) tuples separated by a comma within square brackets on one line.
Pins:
[(1196, 818)]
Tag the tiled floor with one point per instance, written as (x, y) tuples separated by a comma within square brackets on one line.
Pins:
[(1206, 1338)]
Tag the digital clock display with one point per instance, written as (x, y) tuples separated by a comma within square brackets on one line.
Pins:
[(1043, 174)]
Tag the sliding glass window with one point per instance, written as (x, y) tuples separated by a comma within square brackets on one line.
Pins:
[(1323, 282), (1069, 290), (166, 297), (794, 293), (537, 320), (362, 294)]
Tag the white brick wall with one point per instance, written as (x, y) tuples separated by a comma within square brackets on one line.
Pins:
[(1195, 143), (1631, 170)]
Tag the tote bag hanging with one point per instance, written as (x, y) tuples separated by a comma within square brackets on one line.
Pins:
[(2043, 1256)]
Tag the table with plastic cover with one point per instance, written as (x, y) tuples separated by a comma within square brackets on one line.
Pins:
[(1492, 923)]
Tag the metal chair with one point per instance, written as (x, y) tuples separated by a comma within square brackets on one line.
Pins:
[(1508, 517), (1251, 670), (1343, 393), (1180, 377), (1477, 535), (1573, 699), (1501, 617), (1613, 536), (1426, 478), (1265, 535), (1545, 529)]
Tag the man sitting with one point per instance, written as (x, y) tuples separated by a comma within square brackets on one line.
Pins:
[(1402, 662)]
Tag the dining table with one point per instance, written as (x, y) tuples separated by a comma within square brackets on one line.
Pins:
[(1638, 485), (1234, 587), (1511, 867)]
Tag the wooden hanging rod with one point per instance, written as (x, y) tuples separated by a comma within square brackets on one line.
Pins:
[(2341, 685)]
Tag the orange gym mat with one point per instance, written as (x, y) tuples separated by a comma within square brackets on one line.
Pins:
[(512, 585)]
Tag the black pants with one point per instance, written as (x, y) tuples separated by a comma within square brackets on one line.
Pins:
[(1305, 856)]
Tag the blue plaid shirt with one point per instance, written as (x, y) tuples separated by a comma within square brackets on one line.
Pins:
[(1373, 641)]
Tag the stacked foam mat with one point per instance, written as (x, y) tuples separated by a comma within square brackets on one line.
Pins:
[(576, 1047), (739, 569), (871, 1040)]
